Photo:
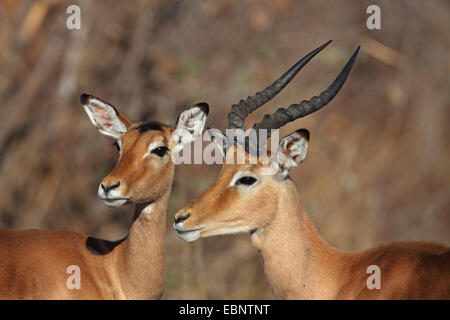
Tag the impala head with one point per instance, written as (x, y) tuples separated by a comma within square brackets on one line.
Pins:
[(144, 170), (245, 197)]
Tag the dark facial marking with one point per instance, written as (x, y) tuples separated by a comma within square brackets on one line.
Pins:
[(161, 151), (116, 145), (246, 181), (100, 246)]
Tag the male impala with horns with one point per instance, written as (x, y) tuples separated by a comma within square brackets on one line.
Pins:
[(298, 263)]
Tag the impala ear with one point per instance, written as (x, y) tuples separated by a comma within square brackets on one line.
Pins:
[(292, 150), (218, 139), (190, 124), (104, 116)]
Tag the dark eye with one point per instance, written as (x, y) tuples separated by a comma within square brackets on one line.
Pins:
[(117, 146), (160, 151), (246, 181)]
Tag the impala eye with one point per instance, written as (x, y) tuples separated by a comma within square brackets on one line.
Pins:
[(246, 181), (117, 146), (160, 151)]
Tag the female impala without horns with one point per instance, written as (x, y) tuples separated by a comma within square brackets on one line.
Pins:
[(34, 262), (298, 263)]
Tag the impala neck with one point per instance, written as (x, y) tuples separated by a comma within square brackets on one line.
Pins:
[(297, 261), (143, 251)]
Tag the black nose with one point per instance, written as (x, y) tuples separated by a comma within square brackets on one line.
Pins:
[(110, 187), (181, 218)]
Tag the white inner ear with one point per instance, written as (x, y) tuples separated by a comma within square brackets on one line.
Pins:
[(189, 126), (292, 151), (104, 117)]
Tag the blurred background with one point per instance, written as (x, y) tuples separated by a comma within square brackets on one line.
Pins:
[(378, 166)]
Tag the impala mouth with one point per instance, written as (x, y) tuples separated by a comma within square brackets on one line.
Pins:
[(189, 235)]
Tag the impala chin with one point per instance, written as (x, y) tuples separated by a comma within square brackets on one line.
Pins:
[(226, 231), (189, 235), (114, 202)]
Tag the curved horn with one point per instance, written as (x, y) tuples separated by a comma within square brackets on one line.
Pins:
[(282, 116), (241, 110)]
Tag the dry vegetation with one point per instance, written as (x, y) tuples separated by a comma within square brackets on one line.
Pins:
[(378, 168)]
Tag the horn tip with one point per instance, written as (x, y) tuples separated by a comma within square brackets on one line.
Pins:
[(324, 45)]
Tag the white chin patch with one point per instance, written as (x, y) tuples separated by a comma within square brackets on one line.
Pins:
[(189, 236), (114, 203)]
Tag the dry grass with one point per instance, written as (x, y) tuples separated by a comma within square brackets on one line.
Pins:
[(378, 167)]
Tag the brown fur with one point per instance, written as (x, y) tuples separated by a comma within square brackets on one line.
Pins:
[(297, 261)]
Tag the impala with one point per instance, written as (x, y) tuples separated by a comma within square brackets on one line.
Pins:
[(34, 262), (298, 263)]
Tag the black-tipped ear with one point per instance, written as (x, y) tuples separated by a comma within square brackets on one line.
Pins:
[(190, 124), (204, 107), (84, 98), (292, 150), (104, 116)]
